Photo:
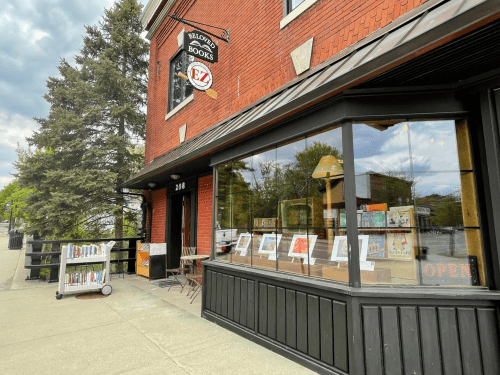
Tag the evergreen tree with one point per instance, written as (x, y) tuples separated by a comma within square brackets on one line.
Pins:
[(87, 144)]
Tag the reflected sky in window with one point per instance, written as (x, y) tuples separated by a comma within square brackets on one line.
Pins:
[(427, 149)]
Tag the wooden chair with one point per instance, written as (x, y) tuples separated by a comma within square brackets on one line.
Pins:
[(184, 267)]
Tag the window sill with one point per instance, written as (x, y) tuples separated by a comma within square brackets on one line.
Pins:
[(297, 12), (186, 101)]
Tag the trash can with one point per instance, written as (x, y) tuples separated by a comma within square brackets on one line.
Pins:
[(15, 240)]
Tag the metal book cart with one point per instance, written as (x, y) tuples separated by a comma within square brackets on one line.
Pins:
[(88, 279)]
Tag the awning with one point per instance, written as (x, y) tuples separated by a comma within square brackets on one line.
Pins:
[(425, 28)]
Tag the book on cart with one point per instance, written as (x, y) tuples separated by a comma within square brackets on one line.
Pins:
[(85, 268)]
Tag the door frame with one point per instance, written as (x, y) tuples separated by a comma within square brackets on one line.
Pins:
[(181, 187)]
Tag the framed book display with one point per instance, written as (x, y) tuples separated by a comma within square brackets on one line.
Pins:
[(243, 243), (302, 246), (340, 252), (269, 244)]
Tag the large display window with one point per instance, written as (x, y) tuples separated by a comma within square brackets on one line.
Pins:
[(284, 208)]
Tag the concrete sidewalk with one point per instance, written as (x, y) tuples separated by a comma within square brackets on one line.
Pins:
[(139, 329)]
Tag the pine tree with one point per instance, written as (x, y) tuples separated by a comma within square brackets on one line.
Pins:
[(87, 144)]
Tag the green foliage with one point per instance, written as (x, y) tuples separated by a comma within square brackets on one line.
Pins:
[(17, 196), (448, 212), (87, 144), (278, 182)]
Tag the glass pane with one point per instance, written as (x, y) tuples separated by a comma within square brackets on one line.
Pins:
[(225, 240), (223, 203), (187, 87), (289, 168), (433, 146), (293, 250), (224, 173), (419, 215), (241, 210), (242, 175), (176, 92), (242, 249), (264, 168), (295, 3), (265, 248)]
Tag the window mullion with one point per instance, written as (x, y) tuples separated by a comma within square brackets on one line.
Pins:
[(350, 204)]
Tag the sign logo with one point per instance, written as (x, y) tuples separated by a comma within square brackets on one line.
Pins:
[(199, 76), (200, 45)]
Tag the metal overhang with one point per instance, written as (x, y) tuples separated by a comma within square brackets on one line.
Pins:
[(392, 46)]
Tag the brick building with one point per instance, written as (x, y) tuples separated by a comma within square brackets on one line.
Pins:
[(308, 96)]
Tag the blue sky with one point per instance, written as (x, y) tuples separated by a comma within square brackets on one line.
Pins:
[(35, 35)]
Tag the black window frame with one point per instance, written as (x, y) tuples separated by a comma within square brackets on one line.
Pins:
[(185, 62)]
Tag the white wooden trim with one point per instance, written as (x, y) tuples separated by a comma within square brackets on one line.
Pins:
[(186, 101), (297, 12)]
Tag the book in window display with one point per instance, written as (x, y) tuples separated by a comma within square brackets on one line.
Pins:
[(340, 251), (400, 246), (376, 246), (302, 247), (269, 244), (400, 217), (243, 243)]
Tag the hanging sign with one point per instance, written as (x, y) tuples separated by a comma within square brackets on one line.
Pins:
[(199, 76), (200, 45)]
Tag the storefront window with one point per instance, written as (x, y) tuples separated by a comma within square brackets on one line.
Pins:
[(284, 208), (417, 207)]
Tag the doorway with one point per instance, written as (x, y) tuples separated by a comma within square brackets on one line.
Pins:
[(180, 233)]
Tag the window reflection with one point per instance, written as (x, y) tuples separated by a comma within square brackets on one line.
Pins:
[(417, 204), (417, 216)]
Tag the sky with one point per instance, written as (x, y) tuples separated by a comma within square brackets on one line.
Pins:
[(34, 36)]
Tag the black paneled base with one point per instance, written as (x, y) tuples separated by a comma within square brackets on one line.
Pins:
[(335, 332)]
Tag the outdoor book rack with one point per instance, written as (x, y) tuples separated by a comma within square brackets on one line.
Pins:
[(85, 279)]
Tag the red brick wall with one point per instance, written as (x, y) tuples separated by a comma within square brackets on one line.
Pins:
[(257, 60), (204, 232), (159, 204)]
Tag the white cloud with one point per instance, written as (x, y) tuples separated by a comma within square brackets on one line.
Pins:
[(14, 129), (5, 181)]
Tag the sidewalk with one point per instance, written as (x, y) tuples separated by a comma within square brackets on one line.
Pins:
[(138, 329)]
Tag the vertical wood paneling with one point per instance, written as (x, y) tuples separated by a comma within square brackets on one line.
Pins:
[(390, 340), (487, 320), (313, 336), (291, 319), (213, 301), (469, 341), (208, 290), (230, 298), (218, 308), (302, 322), (373, 340), (224, 295), (340, 346), (280, 315), (243, 302), (410, 340), (263, 308), (429, 332), (450, 346), (271, 312), (326, 319), (237, 298), (251, 304)]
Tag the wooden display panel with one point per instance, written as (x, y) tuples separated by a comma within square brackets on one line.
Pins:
[(142, 270)]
